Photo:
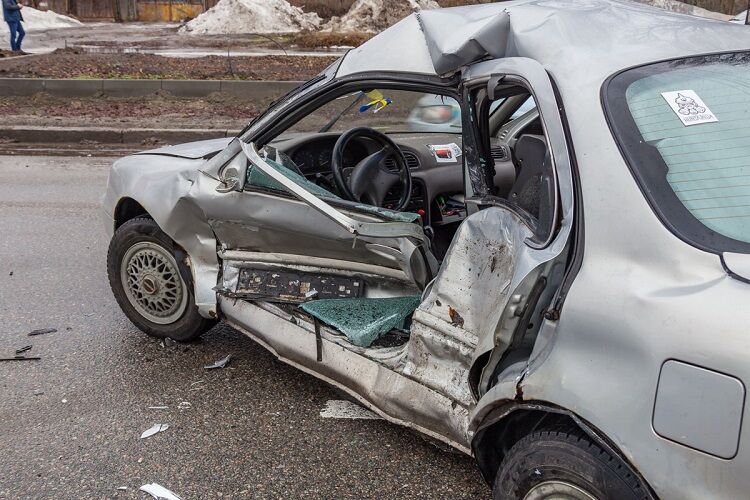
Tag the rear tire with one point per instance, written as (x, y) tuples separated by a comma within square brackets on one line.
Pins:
[(146, 282), (564, 464)]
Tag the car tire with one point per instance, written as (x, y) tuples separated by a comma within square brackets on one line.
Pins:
[(146, 282), (564, 464)]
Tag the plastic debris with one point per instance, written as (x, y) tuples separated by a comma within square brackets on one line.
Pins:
[(340, 408), (159, 492), (168, 342), (154, 429), (42, 331), (219, 364)]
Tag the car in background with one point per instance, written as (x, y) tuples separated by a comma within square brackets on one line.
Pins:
[(436, 113)]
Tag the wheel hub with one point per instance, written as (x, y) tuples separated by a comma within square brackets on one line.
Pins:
[(150, 285), (558, 490), (153, 283)]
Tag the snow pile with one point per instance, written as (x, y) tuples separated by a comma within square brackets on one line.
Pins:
[(46, 20), (229, 17), (740, 18), (373, 16)]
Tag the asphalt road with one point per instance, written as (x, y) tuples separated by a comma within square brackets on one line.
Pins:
[(70, 423)]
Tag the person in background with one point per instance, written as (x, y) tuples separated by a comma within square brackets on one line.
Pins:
[(12, 15)]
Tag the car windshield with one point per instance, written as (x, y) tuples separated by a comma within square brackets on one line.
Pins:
[(683, 128), (386, 110)]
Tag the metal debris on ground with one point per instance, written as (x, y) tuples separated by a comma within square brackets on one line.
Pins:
[(184, 405), (340, 408), (154, 429), (165, 407), (219, 364), (22, 358), (122, 488), (159, 492), (42, 331), (168, 342), (23, 349)]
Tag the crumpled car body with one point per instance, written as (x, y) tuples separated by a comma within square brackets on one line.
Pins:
[(620, 316)]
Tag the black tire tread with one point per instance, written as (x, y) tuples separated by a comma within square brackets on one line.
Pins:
[(191, 325), (576, 438)]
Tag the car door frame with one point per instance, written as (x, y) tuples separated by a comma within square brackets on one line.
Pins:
[(537, 256), (411, 237)]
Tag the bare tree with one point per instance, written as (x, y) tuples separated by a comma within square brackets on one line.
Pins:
[(116, 11)]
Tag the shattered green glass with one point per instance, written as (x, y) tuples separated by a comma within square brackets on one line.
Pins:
[(363, 320), (256, 177), (389, 214)]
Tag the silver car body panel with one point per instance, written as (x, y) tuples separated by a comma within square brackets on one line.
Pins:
[(641, 297)]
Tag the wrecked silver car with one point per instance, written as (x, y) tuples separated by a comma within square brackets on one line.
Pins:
[(559, 293)]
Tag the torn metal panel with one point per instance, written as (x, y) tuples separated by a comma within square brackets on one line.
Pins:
[(170, 189), (557, 34), (308, 263), (394, 396), (474, 35), (352, 225), (363, 320), (294, 287), (475, 279)]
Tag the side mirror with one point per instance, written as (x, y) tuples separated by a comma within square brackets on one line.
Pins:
[(233, 175)]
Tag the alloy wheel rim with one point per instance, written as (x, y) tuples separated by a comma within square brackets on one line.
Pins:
[(152, 283), (558, 490)]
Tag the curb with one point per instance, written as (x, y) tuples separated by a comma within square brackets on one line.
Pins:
[(248, 89), (72, 135)]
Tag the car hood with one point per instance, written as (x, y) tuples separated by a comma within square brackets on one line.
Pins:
[(192, 150)]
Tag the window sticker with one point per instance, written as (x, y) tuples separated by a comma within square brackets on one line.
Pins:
[(688, 107), (445, 153)]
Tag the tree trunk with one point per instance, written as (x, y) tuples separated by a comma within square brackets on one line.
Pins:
[(116, 11)]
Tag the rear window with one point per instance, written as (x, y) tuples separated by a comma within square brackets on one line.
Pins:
[(683, 128)]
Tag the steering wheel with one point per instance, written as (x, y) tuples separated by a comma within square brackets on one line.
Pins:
[(370, 180)]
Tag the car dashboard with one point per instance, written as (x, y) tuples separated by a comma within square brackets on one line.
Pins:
[(436, 176)]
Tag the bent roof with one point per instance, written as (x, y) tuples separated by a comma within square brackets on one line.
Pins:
[(580, 38)]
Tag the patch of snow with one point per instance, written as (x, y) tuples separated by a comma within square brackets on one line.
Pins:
[(740, 18), (340, 408), (373, 16), (46, 20), (230, 17)]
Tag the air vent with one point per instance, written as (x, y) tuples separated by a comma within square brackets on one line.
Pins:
[(499, 153), (504, 134), (411, 161)]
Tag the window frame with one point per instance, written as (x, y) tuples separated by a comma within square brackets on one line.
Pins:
[(646, 163)]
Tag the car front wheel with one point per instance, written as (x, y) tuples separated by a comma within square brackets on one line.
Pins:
[(146, 282), (560, 464)]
